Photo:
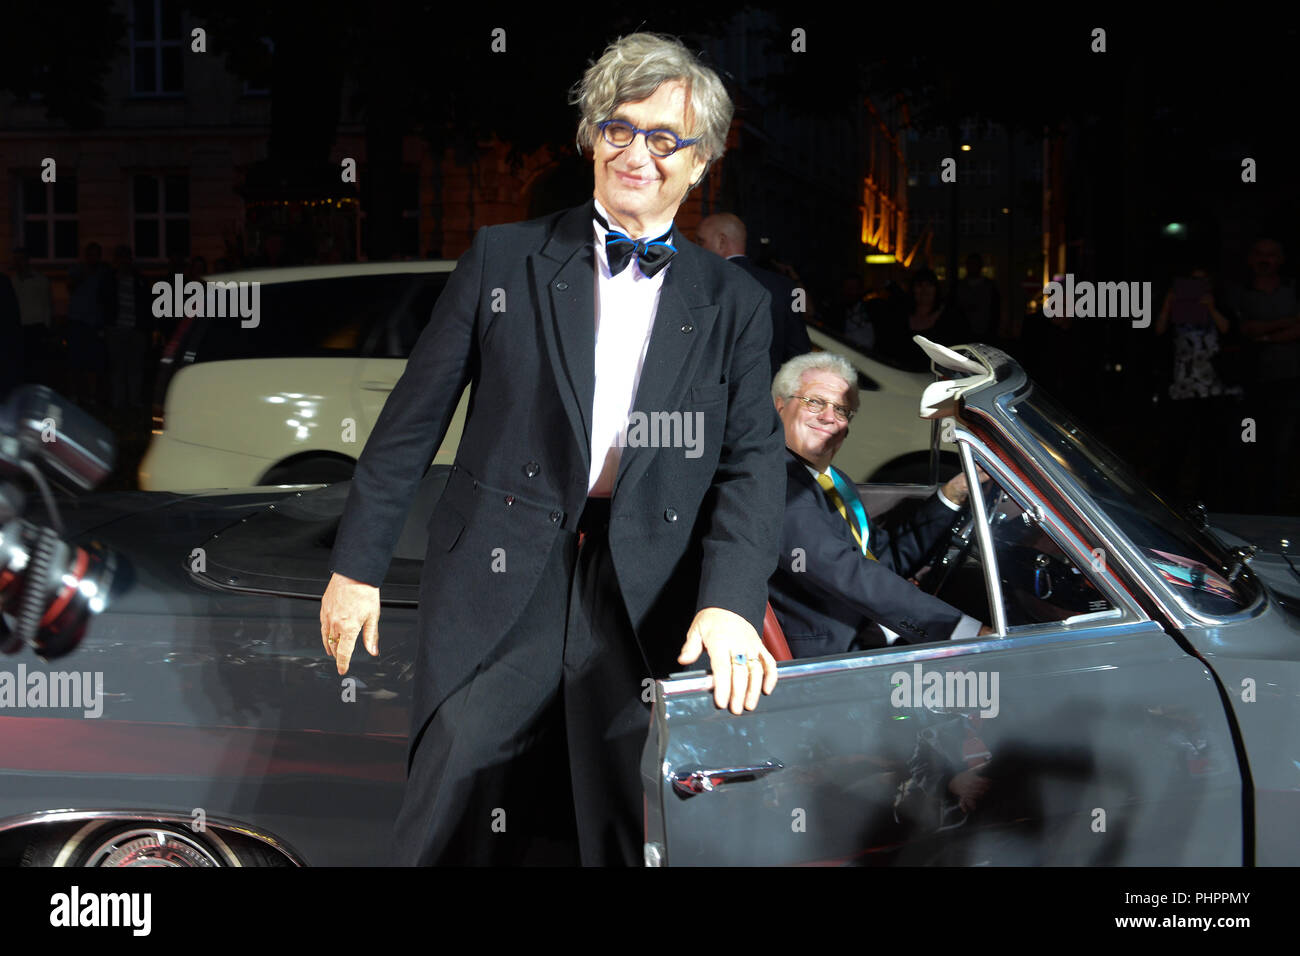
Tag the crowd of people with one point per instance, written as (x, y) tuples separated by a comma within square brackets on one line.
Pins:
[(1210, 409)]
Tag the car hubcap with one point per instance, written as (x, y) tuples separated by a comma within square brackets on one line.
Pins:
[(150, 847)]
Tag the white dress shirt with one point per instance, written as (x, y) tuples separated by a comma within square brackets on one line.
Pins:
[(967, 626), (625, 312)]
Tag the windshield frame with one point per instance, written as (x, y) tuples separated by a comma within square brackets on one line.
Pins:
[(1107, 520)]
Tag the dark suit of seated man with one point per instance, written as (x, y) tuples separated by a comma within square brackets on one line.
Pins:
[(841, 581)]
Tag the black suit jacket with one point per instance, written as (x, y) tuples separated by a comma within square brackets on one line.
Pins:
[(827, 594), (789, 333), (517, 320)]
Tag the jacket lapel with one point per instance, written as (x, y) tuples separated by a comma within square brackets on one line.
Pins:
[(685, 316), (563, 276)]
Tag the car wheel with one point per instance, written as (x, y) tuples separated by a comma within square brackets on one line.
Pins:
[(147, 843), (320, 470)]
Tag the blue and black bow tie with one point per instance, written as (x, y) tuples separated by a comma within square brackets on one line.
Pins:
[(651, 254)]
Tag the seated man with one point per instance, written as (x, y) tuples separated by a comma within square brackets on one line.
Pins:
[(840, 583)]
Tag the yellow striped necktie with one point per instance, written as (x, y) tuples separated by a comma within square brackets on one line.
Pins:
[(828, 485)]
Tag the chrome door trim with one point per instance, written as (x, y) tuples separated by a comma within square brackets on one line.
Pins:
[(695, 682)]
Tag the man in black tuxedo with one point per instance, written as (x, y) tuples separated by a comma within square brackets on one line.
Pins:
[(617, 489), (724, 233), (840, 583)]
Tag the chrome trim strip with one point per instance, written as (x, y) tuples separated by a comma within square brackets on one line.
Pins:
[(992, 581), (150, 816), (675, 687)]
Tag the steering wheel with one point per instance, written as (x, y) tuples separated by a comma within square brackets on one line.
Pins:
[(963, 536)]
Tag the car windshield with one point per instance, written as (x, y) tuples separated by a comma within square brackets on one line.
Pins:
[(1198, 569)]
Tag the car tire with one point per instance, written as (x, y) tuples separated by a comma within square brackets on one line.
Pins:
[(320, 470), (116, 844)]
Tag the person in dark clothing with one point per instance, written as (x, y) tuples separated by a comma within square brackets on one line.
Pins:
[(927, 314), (978, 299), (842, 578), (90, 284), (1268, 307), (725, 234), (130, 327)]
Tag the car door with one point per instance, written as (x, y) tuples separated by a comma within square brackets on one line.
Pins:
[(1083, 734)]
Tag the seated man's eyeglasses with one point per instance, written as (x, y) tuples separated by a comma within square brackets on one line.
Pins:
[(660, 142), (818, 405)]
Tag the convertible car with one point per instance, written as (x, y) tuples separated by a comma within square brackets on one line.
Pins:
[(1138, 704)]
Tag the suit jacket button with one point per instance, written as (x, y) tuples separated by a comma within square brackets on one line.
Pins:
[(510, 499), (561, 286), (670, 515), (688, 328), (555, 516), (532, 469)]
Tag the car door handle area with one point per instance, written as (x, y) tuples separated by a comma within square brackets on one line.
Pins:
[(377, 386), (687, 783)]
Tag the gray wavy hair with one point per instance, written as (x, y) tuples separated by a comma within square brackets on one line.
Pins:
[(789, 375), (632, 68)]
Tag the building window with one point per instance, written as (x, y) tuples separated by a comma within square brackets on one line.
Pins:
[(47, 217), (155, 41), (160, 215)]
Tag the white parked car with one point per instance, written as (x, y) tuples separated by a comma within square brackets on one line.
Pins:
[(292, 400)]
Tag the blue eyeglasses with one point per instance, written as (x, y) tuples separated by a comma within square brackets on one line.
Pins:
[(660, 142)]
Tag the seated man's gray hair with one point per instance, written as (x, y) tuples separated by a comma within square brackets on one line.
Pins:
[(632, 68), (788, 376)]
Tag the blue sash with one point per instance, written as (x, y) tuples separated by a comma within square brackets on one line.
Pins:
[(849, 495)]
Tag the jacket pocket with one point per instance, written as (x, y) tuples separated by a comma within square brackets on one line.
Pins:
[(445, 528), (708, 394)]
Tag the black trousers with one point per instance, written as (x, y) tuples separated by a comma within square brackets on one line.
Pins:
[(537, 759)]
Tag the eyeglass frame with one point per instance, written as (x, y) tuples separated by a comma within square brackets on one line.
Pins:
[(807, 402), (681, 143)]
